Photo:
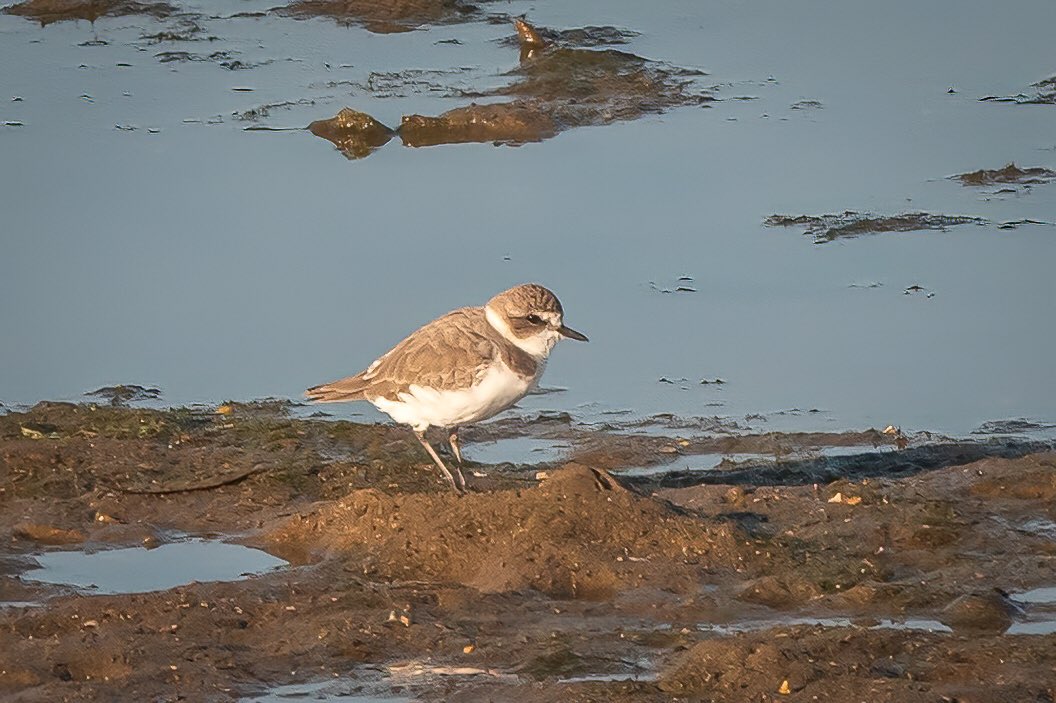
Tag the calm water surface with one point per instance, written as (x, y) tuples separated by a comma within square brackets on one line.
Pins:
[(221, 263)]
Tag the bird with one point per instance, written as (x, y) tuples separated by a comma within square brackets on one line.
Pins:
[(462, 368)]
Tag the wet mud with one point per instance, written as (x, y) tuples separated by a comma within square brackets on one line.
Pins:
[(557, 86), (920, 575), (50, 11)]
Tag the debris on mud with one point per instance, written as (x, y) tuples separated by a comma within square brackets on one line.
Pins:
[(48, 11), (386, 17), (122, 395), (554, 88), (849, 224), (221, 58), (684, 284), (1009, 174), (400, 84), (185, 29), (264, 111), (1045, 94), (918, 289)]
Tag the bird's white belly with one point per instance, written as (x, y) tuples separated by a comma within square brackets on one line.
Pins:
[(422, 407)]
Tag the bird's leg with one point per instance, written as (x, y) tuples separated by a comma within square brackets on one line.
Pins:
[(436, 458), (456, 447)]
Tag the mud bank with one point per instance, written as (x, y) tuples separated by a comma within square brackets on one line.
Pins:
[(560, 84), (910, 580), (49, 11)]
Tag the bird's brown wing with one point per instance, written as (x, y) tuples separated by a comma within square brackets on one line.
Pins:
[(450, 352)]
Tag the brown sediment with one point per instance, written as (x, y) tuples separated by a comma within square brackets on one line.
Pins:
[(506, 123), (400, 587), (849, 224), (1009, 174), (386, 16), (581, 87), (355, 134), (850, 664), (49, 11)]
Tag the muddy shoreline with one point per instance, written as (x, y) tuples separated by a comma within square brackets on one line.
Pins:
[(913, 578)]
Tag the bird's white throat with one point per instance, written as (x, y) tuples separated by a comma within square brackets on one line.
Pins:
[(538, 345)]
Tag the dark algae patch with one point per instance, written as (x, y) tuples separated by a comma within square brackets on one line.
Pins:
[(850, 224), (122, 395), (1010, 174), (1044, 94), (555, 87), (49, 11)]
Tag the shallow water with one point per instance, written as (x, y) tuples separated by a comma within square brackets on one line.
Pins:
[(221, 263), (322, 691), (141, 570), (923, 625), (535, 451)]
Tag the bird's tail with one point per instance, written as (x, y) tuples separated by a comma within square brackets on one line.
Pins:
[(351, 388)]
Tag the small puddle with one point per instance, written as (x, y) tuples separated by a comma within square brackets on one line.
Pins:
[(611, 678), (331, 691), (1041, 527), (1040, 627), (743, 460), (140, 570), (914, 624), (517, 450), (1037, 596), (1040, 612)]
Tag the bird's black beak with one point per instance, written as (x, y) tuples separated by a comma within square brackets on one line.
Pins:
[(572, 334)]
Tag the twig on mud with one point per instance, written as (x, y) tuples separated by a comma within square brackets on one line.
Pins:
[(227, 481)]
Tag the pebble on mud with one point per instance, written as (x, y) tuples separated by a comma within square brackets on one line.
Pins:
[(988, 611)]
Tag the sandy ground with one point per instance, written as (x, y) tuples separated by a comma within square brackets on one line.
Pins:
[(887, 584)]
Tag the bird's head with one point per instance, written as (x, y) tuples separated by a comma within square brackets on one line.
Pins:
[(531, 317)]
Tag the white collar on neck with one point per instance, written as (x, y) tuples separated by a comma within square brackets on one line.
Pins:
[(538, 345)]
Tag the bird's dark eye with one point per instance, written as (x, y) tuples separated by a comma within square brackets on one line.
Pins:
[(534, 319)]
